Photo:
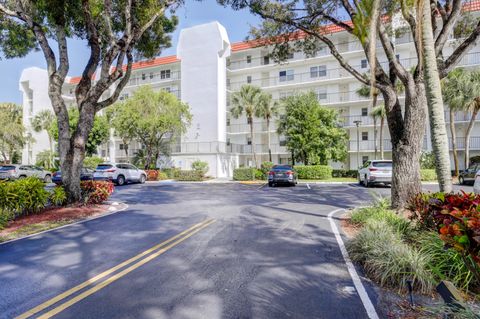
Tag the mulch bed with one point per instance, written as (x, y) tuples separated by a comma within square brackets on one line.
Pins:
[(72, 213)]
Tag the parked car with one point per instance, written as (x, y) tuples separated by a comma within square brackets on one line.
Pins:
[(282, 174), (476, 184), (120, 173), (85, 175), (468, 176), (375, 172), (16, 171)]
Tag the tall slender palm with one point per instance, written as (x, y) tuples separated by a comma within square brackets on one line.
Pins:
[(42, 122), (379, 112), (246, 101), (434, 95), (267, 110), (455, 95)]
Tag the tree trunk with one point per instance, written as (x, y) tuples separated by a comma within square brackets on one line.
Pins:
[(253, 142), (436, 111), (467, 137), (50, 157), (453, 133), (375, 135), (125, 148), (382, 123), (268, 140), (407, 136)]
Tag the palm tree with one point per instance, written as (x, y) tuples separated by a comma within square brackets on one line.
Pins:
[(379, 112), (42, 122), (434, 96), (267, 109), (247, 100), (455, 95)]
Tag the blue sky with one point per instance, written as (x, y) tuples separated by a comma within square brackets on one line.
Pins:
[(192, 13)]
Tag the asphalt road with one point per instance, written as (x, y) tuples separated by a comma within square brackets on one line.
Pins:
[(260, 253)]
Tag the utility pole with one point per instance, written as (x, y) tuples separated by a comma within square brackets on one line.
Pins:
[(357, 123)]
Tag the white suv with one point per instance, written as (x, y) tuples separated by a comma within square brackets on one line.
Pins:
[(120, 173), (375, 171)]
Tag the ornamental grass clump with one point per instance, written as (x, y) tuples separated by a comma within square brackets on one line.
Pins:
[(388, 260)]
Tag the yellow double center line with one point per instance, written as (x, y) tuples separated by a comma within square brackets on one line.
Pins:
[(133, 264)]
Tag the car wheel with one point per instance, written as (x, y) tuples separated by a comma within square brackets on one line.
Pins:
[(142, 179), (47, 179), (270, 184), (22, 177), (120, 180), (461, 180), (365, 182)]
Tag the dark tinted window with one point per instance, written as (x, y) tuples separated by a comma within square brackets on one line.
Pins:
[(104, 166), (382, 164), (6, 168), (282, 167)]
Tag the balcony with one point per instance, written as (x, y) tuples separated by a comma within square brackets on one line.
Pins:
[(154, 78), (222, 147), (258, 127), (469, 59), (369, 145)]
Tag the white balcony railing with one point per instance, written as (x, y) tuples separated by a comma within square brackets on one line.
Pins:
[(222, 147), (154, 78)]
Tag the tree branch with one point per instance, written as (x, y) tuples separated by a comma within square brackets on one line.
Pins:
[(448, 25), (396, 66)]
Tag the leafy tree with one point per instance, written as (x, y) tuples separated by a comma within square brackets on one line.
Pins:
[(92, 161), (45, 159), (43, 122), (248, 101), (379, 113), (115, 31), (200, 166), (267, 109), (155, 119), (461, 90), (312, 132), (98, 135), (12, 131), (427, 160), (300, 25)]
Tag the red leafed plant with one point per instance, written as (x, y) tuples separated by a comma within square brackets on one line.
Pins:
[(152, 174), (96, 192), (456, 217)]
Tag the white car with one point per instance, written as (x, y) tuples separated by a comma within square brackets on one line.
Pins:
[(476, 184), (120, 173), (375, 172)]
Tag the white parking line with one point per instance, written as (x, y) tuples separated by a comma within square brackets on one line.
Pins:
[(367, 303), (308, 186), (263, 185)]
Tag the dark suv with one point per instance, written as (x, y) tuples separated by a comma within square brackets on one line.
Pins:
[(282, 174), (468, 176)]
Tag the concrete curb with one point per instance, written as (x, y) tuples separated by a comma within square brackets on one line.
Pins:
[(114, 207)]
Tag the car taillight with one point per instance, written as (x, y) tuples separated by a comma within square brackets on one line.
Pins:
[(271, 173), (371, 169), (55, 174), (289, 173), (12, 171), (112, 170)]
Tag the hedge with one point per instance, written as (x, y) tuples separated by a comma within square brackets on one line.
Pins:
[(314, 172), (246, 174), (23, 196), (171, 172), (344, 173), (428, 175), (190, 175)]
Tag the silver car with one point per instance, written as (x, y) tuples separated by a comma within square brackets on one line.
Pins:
[(16, 171), (120, 173), (375, 172)]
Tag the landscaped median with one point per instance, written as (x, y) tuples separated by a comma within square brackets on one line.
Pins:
[(437, 239), (28, 207)]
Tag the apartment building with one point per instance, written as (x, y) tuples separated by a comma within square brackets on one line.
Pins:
[(205, 72)]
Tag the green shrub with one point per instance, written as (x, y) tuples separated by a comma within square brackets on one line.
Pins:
[(162, 176), (428, 175), (23, 196), (388, 260), (265, 168), (192, 176), (344, 173), (58, 196), (171, 172), (314, 172), (5, 217), (96, 192), (200, 166), (92, 161), (244, 174), (446, 264)]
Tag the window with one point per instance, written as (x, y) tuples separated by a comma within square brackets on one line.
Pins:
[(228, 122), (364, 111), (365, 159), (322, 94), (317, 71), (151, 75), (364, 136), (284, 95), (143, 76), (249, 59), (249, 120), (249, 79), (228, 142), (283, 142), (364, 63), (168, 89), (290, 55), (286, 75), (165, 74), (124, 96), (104, 153), (123, 146), (266, 60), (249, 141), (397, 56)]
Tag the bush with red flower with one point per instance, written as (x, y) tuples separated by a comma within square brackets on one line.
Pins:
[(96, 192)]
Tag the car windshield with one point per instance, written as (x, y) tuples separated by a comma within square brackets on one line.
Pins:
[(282, 168), (382, 164), (6, 168), (104, 166)]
